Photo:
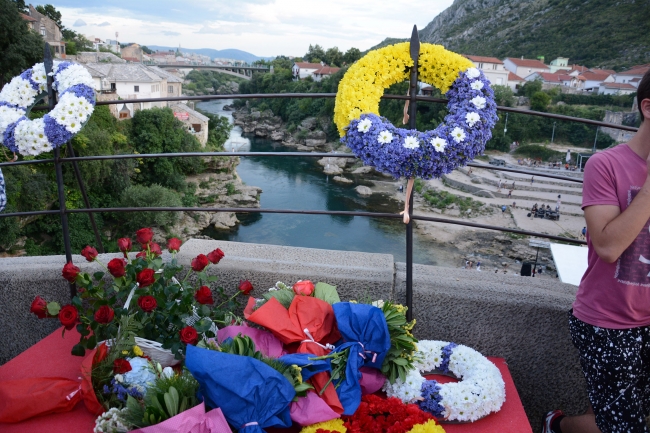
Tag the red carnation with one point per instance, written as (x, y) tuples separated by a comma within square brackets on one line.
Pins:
[(245, 287), (70, 272), (216, 256), (200, 262), (204, 295), (39, 307), (100, 354), (117, 267), (174, 244), (89, 253), (189, 335), (155, 249), (144, 236), (104, 315), (141, 254), (68, 316), (145, 277), (121, 366), (147, 303), (305, 288), (124, 244)]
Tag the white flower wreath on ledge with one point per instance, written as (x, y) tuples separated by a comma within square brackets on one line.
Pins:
[(479, 392)]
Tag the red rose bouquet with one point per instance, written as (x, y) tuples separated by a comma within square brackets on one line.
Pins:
[(169, 311)]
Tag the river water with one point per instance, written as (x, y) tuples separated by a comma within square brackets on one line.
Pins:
[(299, 183)]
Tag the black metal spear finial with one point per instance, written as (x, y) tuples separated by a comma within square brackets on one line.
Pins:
[(47, 58), (415, 44)]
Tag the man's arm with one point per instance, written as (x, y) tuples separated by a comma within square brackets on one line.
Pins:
[(611, 231)]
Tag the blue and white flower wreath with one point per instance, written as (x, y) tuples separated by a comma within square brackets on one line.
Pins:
[(75, 87), (455, 142)]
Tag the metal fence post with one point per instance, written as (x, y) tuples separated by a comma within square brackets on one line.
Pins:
[(413, 91), (51, 99)]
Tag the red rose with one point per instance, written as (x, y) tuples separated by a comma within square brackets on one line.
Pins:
[(147, 303), (104, 315), (70, 272), (174, 244), (305, 288), (141, 254), (100, 354), (89, 253), (117, 267), (200, 262), (216, 256), (121, 366), (245, 287), (144, 236), (145, 277), (68, 316), (189, 335), (155, 249), (39, 307), (204, 295), (124, 244)]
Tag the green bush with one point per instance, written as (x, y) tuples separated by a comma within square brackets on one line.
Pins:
[(148, 196), (535, 151)]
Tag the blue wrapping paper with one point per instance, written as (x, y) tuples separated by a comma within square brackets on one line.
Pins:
[(365, 333), (251, 395), (309, 367)]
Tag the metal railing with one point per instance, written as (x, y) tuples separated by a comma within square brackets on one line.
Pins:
[(63, 212)]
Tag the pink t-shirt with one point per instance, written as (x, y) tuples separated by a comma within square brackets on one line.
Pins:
[(615, 295)]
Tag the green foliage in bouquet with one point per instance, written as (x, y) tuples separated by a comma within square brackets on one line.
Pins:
[(401, 355), (285, 294)]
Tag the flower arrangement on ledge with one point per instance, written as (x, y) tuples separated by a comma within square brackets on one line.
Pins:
[(169, 310)]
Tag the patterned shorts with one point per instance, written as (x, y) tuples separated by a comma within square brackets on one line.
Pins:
[(616, 365)]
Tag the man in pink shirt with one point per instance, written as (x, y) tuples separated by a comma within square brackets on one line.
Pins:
[(610, 320)]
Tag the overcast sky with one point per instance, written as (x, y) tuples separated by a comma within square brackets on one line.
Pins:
[(261, 27)]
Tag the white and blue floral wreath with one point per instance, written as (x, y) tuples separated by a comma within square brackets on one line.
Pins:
[(75, 87)]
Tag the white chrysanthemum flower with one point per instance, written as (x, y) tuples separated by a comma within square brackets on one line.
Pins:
[(408, 391), (18, 92), (411, 142), (477, 85), (438, 144), (73, 75), (479, 102), (473, 73), (364, 126), (8, 115), (379, 303), (385, 137), (458, 134), (472, 118)]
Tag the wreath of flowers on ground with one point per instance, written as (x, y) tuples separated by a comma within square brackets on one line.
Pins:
[(410, 153), (480, 392), (75, 106)]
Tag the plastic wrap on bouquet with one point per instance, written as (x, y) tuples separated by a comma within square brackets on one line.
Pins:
[(310, 323), (195, 420), (53, 394), (250, 394), (371, 380), (265, 342)]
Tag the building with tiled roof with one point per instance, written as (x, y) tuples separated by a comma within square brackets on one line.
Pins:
[(559, 64), (174, 86), (492, 68), (302, 70), (637, 71), (196, 123), (47, 28), (514, 81), (524, 67), (324, 72), (593, 80), (616, 89), (558, 79)]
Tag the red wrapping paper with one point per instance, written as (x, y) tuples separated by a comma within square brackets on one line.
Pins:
[(312, 314)]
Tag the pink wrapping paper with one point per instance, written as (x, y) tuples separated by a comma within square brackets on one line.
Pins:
[(371, 380), (311, 409), (264, 341), (194, 420)]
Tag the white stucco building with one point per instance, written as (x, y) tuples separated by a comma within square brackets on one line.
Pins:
[(524, 67), (302, 70), (492, 68)]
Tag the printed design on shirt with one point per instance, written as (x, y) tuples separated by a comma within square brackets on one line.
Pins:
[(633, 267)]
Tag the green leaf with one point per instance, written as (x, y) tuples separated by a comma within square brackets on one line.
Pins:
[(283, 296), (92, 342), (78, 350), (53, 308), (213, 278), (202, 325), (98, 275), (326, 293)]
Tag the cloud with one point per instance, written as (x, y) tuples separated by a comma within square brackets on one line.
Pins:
[(221, 30), (79, 23), (168, 33), (104, 24)]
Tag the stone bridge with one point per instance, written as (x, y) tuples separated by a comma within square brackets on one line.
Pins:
[(245, 72)]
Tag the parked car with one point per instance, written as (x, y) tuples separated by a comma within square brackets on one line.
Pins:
[(498, 162)]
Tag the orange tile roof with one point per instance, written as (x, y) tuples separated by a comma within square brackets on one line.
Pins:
[(307, 65), (27, 17), (604, 71), (595, 76), (554, 78), (484, 59), (326, 70), (636, 70), (621, 86), (514, 77), (528, 63)]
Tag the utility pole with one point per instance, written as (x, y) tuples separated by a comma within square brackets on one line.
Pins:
[(553, 135), (595, 139), (505, 128)]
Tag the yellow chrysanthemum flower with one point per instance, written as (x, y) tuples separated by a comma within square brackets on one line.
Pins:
[(335, 425), (137, 351), (428, 427)]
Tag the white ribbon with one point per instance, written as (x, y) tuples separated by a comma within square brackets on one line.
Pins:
[(72, 394), (311, 340)]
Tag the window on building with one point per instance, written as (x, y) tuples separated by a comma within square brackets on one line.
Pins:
[(136, 89), (480, 65), (123, 115), (43, 30), (56, 49), (196, 127), (170, 89), (494, 66), (113, 86)]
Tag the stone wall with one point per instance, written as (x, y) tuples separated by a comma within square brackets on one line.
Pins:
[(523, 320)]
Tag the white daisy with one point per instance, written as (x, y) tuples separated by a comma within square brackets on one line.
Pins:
[(364, 126), (438, 144), (411, 142), (472, 118), (473, 73), (479, 102), (477, 85), (385, 137), (458, 134)]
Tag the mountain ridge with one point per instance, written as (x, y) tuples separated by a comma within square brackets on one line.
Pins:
[(229, 53)]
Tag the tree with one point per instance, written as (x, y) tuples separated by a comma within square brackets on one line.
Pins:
[(503, 96), (530, 87), (22, 7), (50, 11), (146, 49), (21, 48), (333, 57), (315, 54), (539, 101), (351, 55)]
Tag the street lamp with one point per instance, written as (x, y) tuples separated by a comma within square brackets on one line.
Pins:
[(505, 128)]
